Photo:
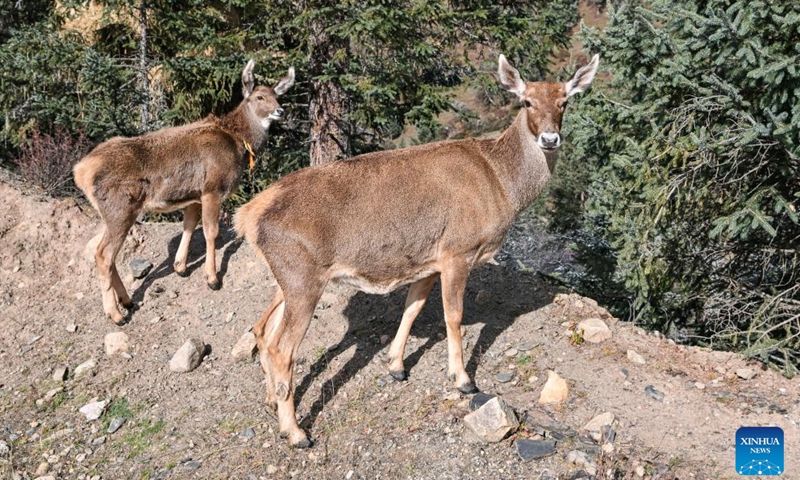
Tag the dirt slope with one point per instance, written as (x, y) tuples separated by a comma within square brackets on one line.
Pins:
[(366, 426)]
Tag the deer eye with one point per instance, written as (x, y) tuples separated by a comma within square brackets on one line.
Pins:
[(259, 97), (526, 103)]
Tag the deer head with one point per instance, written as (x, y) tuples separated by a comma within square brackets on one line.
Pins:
[(262, 101), (545, 102)]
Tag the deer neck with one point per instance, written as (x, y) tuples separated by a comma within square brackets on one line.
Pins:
[(522, 167), (246, 128)]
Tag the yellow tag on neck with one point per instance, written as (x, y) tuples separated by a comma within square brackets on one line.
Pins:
[(252, 155)]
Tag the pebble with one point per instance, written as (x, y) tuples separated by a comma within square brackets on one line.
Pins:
[(534, 449), (555, 389), (511, 352), (699, 386), (653, 393), (247, 433), (582, 460), (188, 357), (504, 377), (116, 343), (72, 328), (594, 330), (140, 268), (272, 469), (598, 422), (115, 424), (86, 367), (99, 440), (4, 449), (493, 421), (93, 410), (206, 315), (60, 373), (745, 373), (634, 357), (245, 348)]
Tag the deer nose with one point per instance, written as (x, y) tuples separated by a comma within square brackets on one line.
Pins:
[(549, 140), (278, 112)]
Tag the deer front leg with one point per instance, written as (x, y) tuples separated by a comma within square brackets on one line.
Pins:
[(211, 203), (454, 283), (191, 216), (417, 296)]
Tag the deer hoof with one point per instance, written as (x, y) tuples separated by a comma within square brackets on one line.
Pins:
[(399, 375), (468, 388), (302, 444), (214, 285), (182, 273)]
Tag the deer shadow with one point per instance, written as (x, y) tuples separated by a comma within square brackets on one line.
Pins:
[(196, 259), (507, 293)]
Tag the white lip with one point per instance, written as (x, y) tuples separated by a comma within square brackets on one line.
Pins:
[(274, 117)]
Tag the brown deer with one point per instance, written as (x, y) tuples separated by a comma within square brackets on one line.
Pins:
[(408, 216), (194, 167)]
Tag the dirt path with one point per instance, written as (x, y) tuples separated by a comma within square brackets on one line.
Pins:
[(195, 425)]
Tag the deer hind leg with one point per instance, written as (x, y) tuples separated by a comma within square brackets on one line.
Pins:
[(282, 343), (271, 319), (415, 300), (211, 203), (191, 216), (111, 286), (454, 283)]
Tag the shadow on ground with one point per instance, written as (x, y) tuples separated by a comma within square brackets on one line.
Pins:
[(506, 294)]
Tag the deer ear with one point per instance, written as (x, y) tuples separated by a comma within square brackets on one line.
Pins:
[(285, 83), (583, 77), (248, 81), (509, 77)]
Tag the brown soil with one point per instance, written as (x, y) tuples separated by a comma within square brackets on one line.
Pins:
[(188, 425)]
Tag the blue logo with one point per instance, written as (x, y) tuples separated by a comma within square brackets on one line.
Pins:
[(759, 451)]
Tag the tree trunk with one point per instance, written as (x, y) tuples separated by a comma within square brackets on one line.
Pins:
[(329, 103), (144, 81)]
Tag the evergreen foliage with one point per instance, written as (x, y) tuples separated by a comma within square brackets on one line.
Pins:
[(694, 154)]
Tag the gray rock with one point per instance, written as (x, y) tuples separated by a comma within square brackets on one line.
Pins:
[(140, 267), (542, 419), (245, 348), (115, 424), (582, 460), (4, 450), (188, 357), (534, 449), (493, 421), (206, 315), (247, 433), (478, 400), (504, 377), (653, 393), (634, 357), (99, 440), (192, 465), (608, 434), (60, 373)]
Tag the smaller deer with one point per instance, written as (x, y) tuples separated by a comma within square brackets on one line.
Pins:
[(194, 167), (408, 216)]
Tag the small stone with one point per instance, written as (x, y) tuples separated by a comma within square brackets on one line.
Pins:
[(247, 433), (504, 377), (594, 330), (4, 450), (745, 373), (534, 449), (608, 434), (60, 373), (639, 470), (80, 457), (52, 393), (699, 386), (93, 410), (116, 343), (85, 368), (555, 389), (192, 465), (188, 357), (272, 469), (478, 400), (493, 421), (115, 424), (653, 393), (527, 347), (582, 460), (511, 352), (597, 423), (608, 448), (245, 348), (42, 468), (533, 379), (635, 357), (155, 319), (72, 328), (99, 440), (140, 268)]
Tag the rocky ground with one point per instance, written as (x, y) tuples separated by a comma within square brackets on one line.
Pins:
[(669, 411)]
